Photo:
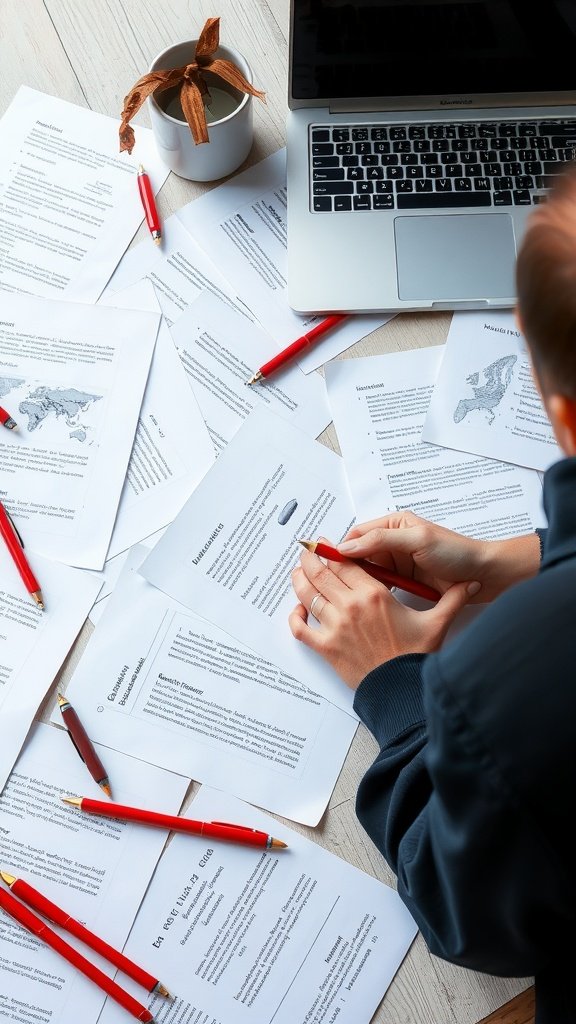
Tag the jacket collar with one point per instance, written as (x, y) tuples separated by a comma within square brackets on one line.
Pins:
[(560, 508)]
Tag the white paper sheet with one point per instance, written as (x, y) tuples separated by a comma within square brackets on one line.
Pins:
[(220, 351), (278, 937), (484, 399), (180, 272), (242, 227), (69, 200), (73, 377), (110, 574), (95, 868), (34, 643), (172, 449), (379, 405), (229, 553), (161, 684)]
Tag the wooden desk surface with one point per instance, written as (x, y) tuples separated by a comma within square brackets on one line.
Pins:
[(90, 52)]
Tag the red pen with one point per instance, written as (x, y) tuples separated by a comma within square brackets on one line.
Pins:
[(149, 204), (292, 350), (40, 929), (6, 420), (16, 548), (210, 829), (56, 915), (378, 572)]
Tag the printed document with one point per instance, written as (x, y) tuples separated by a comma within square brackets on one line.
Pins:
[(34, 643), (69, 200), (266, 937), (73, 377), (229, 554), (242, 227), (484, 399), (379, 405), (163, 685), (95, 868), (220, 350), (172, 449), (180, 272)]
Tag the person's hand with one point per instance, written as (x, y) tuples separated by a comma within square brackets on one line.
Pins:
[(439, 557), (360, 624)]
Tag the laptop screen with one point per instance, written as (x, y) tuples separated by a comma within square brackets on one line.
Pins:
[(347, 49)]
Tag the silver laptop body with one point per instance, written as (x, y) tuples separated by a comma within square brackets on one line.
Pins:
[(363, 238)]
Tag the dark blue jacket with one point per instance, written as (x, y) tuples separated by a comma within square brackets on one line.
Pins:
[(472, 799)]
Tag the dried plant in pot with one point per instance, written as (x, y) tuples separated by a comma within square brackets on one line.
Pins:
[(199, 95)]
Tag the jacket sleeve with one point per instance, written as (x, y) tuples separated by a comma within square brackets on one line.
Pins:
[(440, 812)]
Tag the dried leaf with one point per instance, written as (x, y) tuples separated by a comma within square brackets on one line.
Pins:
[(230, 73), (209, 40), (157, 81), (193, 107)]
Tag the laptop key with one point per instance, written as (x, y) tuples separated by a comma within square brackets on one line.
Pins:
[(325, 161), (439, 200), (502, 198), (522, 197), (320, 135), (323, 205), (383, 202), (342, 203), (329, 174), (340, 135), (322, 149), (362, 202), (333, 188)]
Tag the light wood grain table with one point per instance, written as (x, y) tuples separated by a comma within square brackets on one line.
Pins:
[(91, 53)]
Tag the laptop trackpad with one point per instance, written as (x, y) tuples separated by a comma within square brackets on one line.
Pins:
[(455, 256)]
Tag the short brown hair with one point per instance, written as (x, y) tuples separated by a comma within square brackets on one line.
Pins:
[(546, 285)]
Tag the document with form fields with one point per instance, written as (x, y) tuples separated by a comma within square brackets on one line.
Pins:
[(73, 378), (379, 405), (69, 202), (96, 869), (229, 554), (164, 685), (265, 937), (484, 399), (35, 643)]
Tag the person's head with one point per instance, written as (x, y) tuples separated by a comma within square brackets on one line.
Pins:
[(546, 303)]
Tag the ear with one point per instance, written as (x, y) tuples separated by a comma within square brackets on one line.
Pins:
[(562, 413)]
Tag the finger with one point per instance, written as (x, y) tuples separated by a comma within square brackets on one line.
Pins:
[(392, 521), (298, 622), (306, 592), (452, 602), (396, 546), (335, 580)]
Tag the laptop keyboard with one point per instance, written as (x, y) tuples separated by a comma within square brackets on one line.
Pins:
[(436, 166)]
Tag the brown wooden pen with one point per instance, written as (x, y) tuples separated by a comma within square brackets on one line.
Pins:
[(83, 744)]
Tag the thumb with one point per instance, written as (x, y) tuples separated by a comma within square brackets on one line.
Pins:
[(453, 600)]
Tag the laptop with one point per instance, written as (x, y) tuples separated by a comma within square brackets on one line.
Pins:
[(420, 135)]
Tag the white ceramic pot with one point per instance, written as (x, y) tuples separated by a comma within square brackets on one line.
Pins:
[(230, 132)]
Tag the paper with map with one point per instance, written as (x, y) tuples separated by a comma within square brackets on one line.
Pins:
[(35, 643), (69, 201), (229, 554), (73, 377), (293, 936), (484, 399), (241, 225), (96, 869), (379, 405), (163, 685)]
